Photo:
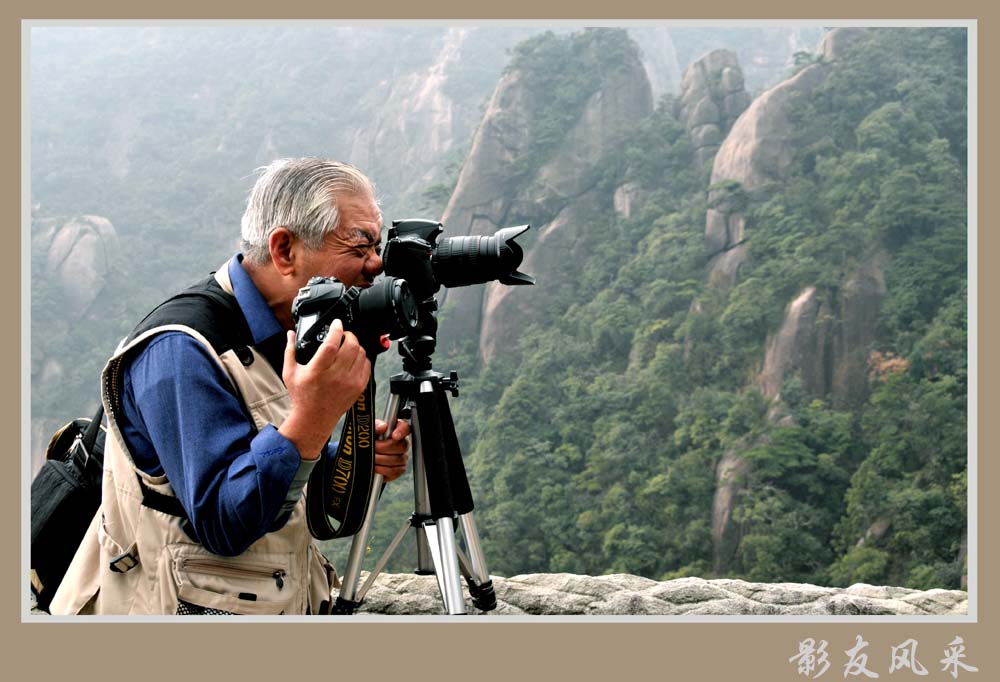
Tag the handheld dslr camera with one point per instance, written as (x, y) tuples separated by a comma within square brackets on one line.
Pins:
[(401, 304), (383, 311)]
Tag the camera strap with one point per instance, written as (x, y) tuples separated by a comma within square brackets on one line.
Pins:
[(339, 486)]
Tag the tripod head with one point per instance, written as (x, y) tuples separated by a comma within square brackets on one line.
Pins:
[(416, 353)]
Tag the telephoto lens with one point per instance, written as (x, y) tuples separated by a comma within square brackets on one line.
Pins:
[(414, 253), (385, 310), (461, 261)]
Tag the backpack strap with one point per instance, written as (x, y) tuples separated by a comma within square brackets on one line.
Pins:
[(89, 454), (90, 435)]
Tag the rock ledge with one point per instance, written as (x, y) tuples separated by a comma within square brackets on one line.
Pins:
[(629, 595), (566, 594)]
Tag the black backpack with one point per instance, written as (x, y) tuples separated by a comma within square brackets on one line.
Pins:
[(65, 495)]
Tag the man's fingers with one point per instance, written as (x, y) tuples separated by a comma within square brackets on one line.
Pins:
[(399, 432), (402, 430), (391, 447), (290, 350), (354, 354), (390, 467)]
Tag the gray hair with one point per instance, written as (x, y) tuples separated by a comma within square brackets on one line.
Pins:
[(300, 195)]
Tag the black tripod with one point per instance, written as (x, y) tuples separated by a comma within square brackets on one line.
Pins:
[(440, 488)]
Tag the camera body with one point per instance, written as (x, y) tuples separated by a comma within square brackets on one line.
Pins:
[(386, 310)]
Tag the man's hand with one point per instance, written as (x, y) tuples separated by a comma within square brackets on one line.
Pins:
[(391, 454), (324, 389)]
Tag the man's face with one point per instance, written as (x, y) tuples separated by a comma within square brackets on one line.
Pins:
[(352, 253)]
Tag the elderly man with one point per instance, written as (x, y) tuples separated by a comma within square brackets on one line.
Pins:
[(213, 428)]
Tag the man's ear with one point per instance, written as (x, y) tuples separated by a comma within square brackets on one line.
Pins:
[(281, 245)]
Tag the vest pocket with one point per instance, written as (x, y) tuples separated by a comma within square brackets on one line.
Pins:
[(270, 409), (323, 581), (258, 584)]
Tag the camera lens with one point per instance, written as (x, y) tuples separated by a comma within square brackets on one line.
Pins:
[(461, 261)]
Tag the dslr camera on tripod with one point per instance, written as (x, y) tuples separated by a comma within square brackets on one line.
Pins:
[(401, 306)]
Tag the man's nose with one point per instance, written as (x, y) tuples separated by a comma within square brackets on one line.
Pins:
[(373, 266)]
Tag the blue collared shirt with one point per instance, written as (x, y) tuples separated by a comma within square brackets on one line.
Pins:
[(181, 417)]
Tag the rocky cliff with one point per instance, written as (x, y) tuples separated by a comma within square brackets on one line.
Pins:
[(168, 140), (78, 254), (826, 343), (825, 336), (659, 58), (416, 114), (559, 197), (758, 149), (712, 97)]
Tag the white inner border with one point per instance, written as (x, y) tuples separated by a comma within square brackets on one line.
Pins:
[(973, 298)]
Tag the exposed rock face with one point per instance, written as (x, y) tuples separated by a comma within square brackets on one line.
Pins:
[(78, 256), (712, 98), (730, 479), (800, 345), (560, 204), (836, 42), (860, 299), (757, 150), (875, 532), (628, 198), (417, 117), (828, 348), (629, 595)]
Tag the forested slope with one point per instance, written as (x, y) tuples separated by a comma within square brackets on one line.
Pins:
[(602, 443)]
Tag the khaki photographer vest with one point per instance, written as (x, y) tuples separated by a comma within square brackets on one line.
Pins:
[(158, 566)]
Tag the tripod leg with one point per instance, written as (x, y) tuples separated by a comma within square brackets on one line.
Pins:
[(475, 572), (476, 557), (478, 578), (430, 531), (440, 534), (449, 574), (421, 498), (347, 602), (382, 561)]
